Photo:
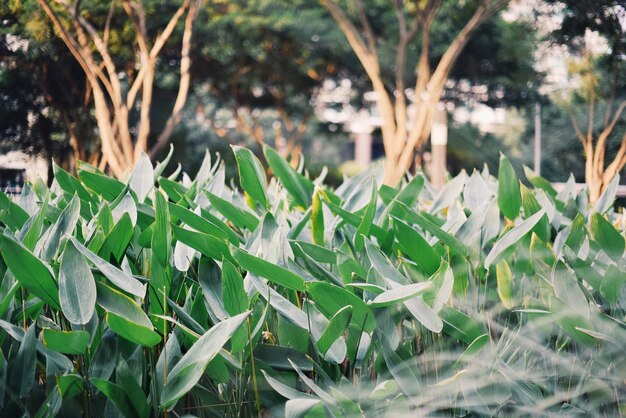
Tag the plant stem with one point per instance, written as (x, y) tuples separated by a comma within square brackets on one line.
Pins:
[(254, 381)]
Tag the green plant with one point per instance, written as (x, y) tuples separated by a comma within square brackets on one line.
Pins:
[(152, 296)]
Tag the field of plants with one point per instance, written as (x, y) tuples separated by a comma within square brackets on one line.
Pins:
[(171, 296)]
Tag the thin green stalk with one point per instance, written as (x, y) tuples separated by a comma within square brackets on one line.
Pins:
[(254, 381)]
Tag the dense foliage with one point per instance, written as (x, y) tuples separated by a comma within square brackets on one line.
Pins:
[(138, 297)]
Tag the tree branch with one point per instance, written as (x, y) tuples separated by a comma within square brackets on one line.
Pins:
[(183, 88)]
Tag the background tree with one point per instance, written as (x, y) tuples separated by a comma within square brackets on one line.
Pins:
[(117, 79), (403, 132), (596, 106)]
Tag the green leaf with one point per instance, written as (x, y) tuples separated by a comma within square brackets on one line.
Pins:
[(577, 233), (513, 237), (363, 230), (540, 182), (251, 174), (612, 284), (14, 216), (131, 331), (206, 244), (271, 272), (415, 246), (71, 185), (505, 280), (23, 371), (299, 187), (241, 218), (460, 326), (118, 239), (317, 219), (532, 206), (336, 327), (330, 299), (29, 271), (186, 373), (404, 213), (233, 294), (65, 224), (125, 316), (107, 187), (118, 277), (142, 178), (34, 231), (611, 241), (77, 287), (509, 197), (567, 289), (162, 235), (200, 224), (118, 396), (66, 342), (398, 294)]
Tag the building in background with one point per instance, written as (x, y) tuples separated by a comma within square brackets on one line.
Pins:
[(17, 167)]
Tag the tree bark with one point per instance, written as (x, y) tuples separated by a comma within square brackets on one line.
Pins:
[(399, 139)]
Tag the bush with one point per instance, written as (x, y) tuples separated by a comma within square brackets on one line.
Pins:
[(135, 298)]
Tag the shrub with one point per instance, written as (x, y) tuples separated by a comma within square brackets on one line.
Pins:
[(154, 296)]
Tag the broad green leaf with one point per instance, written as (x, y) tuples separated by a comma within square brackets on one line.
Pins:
[(415, 246), (251, 174), (118, 239), (77, 287), (235, 302), (504, 277), (199, 223), (162, 235), (299, 187), (23, 371), (125, 316), (65, 224), (566, 287), (363, 230), (512, 237), (540, 182), (107, 187), (402, 212), (317, 219), (241, 218), (36, 226), (577, 233), (13, 215), (509, 197), (70, 184), (118, 396), (330, 299), (66, 342), (283, 389), (118, 277), (131, 331), (206, 244), (607, 198), (233, 293), (29, 271), (267, 270), (612, 284), (532, 206), (142, 178), (611, 241), (336, 327), (186, 373), (460, 326), (399, 294)]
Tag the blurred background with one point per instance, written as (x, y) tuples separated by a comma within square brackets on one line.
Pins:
[(529, 80)]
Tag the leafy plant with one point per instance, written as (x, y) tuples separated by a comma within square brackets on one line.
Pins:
[(152, 296)]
